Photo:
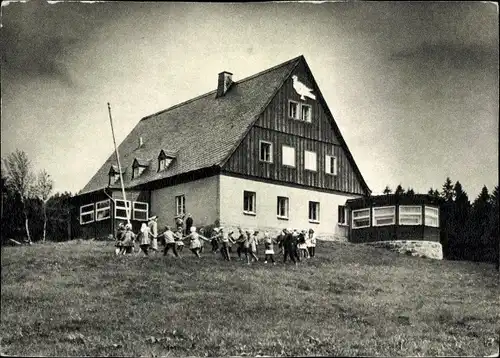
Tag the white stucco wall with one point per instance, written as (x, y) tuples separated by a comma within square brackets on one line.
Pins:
[(232, 216), (201, 201)]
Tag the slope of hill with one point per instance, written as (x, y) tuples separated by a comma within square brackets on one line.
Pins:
[(76, 298)]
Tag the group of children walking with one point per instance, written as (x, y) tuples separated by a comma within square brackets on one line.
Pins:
[(293, 244)]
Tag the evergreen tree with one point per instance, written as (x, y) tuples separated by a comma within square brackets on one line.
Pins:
[(494, 224), (410, 192), (387, 190), (447, 193), (399, 190), (478, 238)]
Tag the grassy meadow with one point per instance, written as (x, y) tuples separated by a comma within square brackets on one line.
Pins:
[(78, 299)]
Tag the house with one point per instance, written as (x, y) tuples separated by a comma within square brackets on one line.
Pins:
[(262, 152)]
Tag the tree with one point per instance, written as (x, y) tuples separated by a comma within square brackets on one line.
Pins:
[(494, 224), (447, 193), (399, 190), (20, 179), (410, 192), (387, 190), (44, 186)]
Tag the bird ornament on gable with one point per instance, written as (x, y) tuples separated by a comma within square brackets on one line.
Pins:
[(302, 89)]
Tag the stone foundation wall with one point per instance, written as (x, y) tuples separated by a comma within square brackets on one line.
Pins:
[(428, 249)]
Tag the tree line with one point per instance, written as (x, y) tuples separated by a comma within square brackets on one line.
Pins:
[(29, 210), (469, 231)]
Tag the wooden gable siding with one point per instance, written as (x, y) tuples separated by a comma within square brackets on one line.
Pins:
[(245, 160), (276, 116)]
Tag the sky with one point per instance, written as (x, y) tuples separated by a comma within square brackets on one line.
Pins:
[(413, 86)]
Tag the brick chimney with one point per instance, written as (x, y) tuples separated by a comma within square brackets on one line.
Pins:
[(225, 80)]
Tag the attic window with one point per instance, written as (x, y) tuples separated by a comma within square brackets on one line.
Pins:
[(138, 167), (164, 160), (114, 175)]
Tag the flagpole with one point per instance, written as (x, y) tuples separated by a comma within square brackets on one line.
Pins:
[(127, 210)]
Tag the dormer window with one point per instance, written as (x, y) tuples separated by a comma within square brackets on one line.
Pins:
[(164, 160), (138, 167), (114, 175)]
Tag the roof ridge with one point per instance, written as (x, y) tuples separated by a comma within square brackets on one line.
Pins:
[(269, 69), (214, 91)]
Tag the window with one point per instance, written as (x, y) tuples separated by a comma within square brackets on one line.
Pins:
[(309, 160), (314, 211), (180, 205), (360, 218), (306, 113), (331, 165), (249, 202), (410, 215), (137, 171), (140, 211), (385, 215), (300, 111), (431, 216), (288, 154), (282, 210), (293, 110), (342, 219), (86, 214), (102, 210), (266, 152), (164, 163), (122, 211)]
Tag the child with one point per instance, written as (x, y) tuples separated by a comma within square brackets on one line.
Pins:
[(226, 239), (268, 243), (302, 247), (252, 241), (214, 240), (128, 239), (312, 245), (178, 240), (169, 242), (144, 240), (119, 238), (194, 241)]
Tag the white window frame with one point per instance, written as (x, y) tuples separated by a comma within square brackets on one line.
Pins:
[(297, 107), (411, 214), (363, 217), (308, 154), (309, 119), (253, 204), (343, 208), (180, 204), (126, 206), (318, 212), (432, 213), (135, 209), (278, 207), (384, 216), (283, 157), (104, 208), (328, 164), (83, 212), (270, 151)]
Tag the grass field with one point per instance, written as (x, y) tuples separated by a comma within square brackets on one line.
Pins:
[(76, 299)]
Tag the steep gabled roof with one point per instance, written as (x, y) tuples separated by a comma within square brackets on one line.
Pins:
[(202, 132)]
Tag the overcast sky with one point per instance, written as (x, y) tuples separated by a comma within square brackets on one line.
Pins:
[(413, 87)]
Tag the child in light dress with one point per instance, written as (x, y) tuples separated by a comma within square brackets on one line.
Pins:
[(194, 241), (269, 249), (144, 239)]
